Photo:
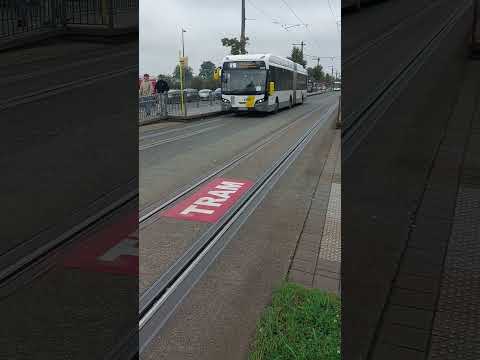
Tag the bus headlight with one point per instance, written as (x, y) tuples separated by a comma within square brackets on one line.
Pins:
[(259, 101), (226, 101)]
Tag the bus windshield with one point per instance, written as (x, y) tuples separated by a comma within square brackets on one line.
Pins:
[(248, 81)]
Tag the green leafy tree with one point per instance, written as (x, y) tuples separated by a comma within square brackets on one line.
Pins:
[(206, 70), (200, 83), (297, 56), (328, 80), (236, 46), (316, 73), (188, 75)]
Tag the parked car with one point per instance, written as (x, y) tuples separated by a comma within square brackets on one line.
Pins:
[(205, 94), (190, 95), (218, 93)]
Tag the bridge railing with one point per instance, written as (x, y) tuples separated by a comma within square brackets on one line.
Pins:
[(27, 16)]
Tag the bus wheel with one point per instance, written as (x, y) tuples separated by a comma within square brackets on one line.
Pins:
[(277, 106)]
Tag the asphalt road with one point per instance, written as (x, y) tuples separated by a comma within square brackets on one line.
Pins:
[(204, 145), (218, 317), (62, 158), (369, 66), (384, 175), (201, 147)]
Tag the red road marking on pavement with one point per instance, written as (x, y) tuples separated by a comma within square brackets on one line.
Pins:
[(211, 201), (113, 249)]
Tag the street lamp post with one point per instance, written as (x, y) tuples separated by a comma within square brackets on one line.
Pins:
[(183, 42)]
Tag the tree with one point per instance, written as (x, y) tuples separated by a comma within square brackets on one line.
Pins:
[(328, 80), (235, 45), (297, 56), (206, 70), (188, 75), (316, 73)]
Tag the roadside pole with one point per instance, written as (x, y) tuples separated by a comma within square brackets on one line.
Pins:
[(182, 105)]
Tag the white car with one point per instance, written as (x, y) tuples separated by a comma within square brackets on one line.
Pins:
[(204, 94)]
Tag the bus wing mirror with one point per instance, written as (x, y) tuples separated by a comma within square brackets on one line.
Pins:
[(271, 88)]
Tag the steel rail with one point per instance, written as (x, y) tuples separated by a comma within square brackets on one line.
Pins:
[(57, 89), (156, 207), (358, 54), (392, 88), (161, 299)]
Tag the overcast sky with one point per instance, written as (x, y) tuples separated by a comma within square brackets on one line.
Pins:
[(208, 21)]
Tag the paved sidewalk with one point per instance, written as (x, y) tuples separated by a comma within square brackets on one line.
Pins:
[(433, 308), (317, 258)]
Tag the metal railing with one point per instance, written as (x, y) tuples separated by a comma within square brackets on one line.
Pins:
[(23, 16), (163, 106), (27, 16)]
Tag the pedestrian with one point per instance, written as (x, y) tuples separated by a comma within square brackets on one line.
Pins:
[(162, 86), (22, 11), (146, 91), (162, 89)]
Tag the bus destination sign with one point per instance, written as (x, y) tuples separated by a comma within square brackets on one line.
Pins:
[(245, 65)]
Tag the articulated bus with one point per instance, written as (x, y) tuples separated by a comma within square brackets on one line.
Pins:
[(262, 82)]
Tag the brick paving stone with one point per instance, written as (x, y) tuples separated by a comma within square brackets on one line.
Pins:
[(412, 298), (301, 277), (404, 336), (327, 284), (328, 274), (453, 349), (408, 316), (392, 352), (418, 283), (328, 265), (306, 256), (303, 265)]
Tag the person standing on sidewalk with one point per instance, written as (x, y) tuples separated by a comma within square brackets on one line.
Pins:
[(162, 89), (146, 91)]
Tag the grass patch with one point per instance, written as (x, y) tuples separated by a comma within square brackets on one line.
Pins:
[(300, 324)]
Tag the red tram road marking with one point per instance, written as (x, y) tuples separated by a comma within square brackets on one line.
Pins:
[(113, 249), (210, 202)]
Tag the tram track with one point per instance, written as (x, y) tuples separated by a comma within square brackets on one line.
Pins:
[(159, 301), (356, 127), (35, 96), (155, 207), (354, 57)]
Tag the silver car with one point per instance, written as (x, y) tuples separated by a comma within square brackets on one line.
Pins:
[(205, 94)]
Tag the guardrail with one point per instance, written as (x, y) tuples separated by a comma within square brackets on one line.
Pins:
[(19, 17), (163, 106)]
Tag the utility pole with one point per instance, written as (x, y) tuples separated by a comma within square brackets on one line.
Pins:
[(302, 44), (242, 35)]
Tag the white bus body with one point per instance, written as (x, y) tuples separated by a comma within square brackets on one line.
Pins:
[(246, 83)]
